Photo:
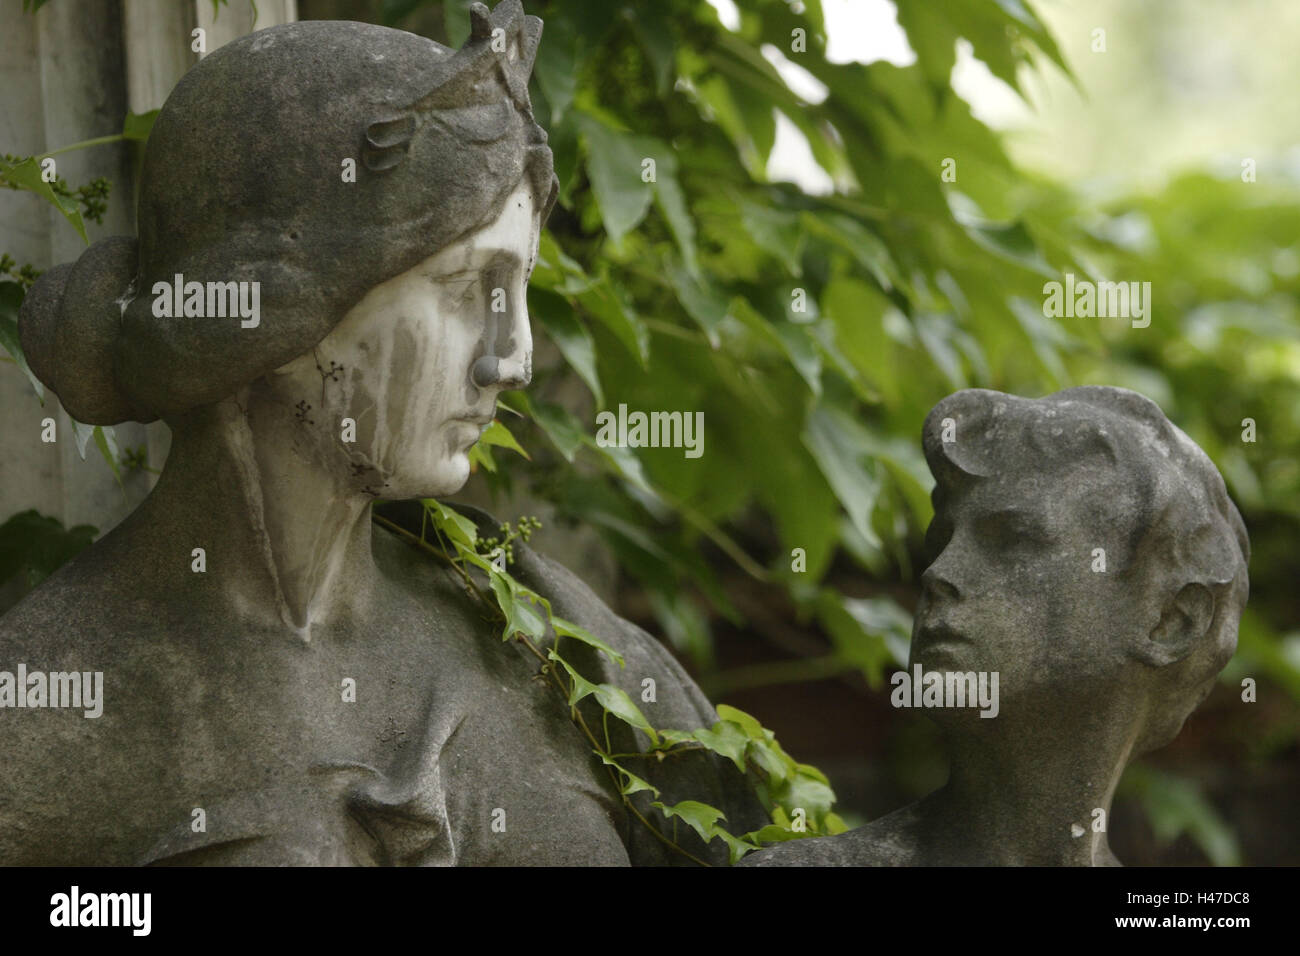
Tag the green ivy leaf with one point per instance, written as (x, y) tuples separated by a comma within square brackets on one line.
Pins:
[(737, 847), (555, 270), (480, 456), (138, 126), (455, 20), (700, 817), (775, 230), (458, 528), (106, 442), (37, 545), (1008, 240), (581, 686), (614, 165), (631, 782), (570, 336), (560, 427), (671, 738), (1176, 805), (605, 302), (498, 435), (772, 759), (568, 629), (671, 202), (558, 65), (750, 725), (616, 701), (701, 300), (527, 620), (828, 435), (727, 739), (27, 175), (774, 833), (654, 28), (11, 299), (518, 609), (814, 796)]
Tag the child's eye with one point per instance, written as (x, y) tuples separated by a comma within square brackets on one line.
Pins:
[(937, 537), (1010, 530)]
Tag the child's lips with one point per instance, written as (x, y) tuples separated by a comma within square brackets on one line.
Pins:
[(932, 633)]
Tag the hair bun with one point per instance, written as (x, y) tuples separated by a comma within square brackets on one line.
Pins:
[(68, 324)]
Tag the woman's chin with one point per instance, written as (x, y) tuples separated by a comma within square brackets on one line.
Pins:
[(431, 480), (450, 476), (456, 472)]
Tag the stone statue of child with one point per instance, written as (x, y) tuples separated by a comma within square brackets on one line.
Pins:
[(1086, 550), (337, 223)]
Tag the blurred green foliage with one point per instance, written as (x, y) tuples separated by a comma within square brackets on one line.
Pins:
[(35, 546), (681, 294)]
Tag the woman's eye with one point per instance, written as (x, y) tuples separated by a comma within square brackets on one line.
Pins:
[(462, 288)]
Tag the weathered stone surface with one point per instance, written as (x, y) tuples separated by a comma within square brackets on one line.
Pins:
[(229, 611), (243, 180), (1086, 551)]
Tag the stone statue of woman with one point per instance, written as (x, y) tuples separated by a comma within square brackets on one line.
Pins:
[(337, 222)]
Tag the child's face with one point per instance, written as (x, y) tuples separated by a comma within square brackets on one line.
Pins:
[(1017, 587)]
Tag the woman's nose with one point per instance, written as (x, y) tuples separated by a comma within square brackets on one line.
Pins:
[(509, 359), (490, 371)]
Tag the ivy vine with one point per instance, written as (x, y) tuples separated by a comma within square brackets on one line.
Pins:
[(797, 796)]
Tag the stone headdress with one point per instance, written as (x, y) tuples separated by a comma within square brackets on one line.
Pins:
[(246, 178)]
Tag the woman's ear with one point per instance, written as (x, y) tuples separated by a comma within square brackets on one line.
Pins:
[(1185, 619)]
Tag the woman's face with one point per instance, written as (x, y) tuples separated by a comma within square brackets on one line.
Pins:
[(418, 363)]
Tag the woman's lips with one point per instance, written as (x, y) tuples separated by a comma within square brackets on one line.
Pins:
[(481, 419), (470, 428)]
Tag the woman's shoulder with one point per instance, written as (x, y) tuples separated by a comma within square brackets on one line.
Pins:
[(83, 603), (671, 697)]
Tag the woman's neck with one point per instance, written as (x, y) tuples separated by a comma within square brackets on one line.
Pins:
[(285, 538)]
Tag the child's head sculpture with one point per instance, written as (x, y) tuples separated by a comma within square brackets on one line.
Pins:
[(1086, 549), (384, 193)]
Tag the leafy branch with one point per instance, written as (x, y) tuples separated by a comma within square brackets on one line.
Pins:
[(89, 201), (798, 797), (91, 198), (24, 275)]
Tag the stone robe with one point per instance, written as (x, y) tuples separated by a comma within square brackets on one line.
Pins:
[(451, 754)]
